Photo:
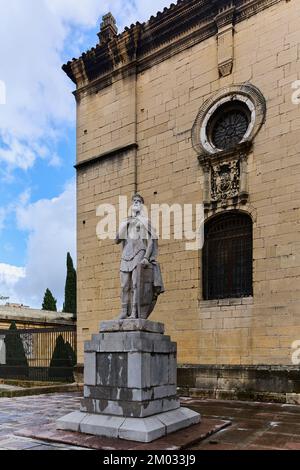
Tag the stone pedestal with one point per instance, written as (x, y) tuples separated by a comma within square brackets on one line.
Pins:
[(130, 382)]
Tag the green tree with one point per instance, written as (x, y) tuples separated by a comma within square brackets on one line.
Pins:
[(70, 304), (49, 302), (71, 354), (63, 361), (15, 353)]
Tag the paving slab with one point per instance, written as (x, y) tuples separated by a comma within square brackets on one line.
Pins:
[(254, 426)]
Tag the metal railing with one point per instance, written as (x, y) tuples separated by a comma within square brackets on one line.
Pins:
[(38, 354)]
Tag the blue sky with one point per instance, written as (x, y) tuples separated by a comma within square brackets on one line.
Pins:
[(37, 135)]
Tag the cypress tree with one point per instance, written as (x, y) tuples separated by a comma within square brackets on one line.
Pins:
[(71, 354), (49, 302), (15, 353), (70, 304), (62, 362)]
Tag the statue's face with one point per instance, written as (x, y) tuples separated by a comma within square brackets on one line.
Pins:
[(137, 205)]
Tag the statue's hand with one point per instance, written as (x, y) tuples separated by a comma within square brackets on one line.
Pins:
[(146, 262), (123, 232)]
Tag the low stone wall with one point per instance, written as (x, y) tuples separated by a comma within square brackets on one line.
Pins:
[(261, 383), (33, 318), (11, 391)]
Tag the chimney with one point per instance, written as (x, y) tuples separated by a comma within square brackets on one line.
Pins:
[(108, 28)]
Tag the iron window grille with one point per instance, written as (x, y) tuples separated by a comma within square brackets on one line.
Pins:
[(228, 257)]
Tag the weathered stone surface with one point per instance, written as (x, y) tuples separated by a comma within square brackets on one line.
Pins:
[(164, 391), (139, 366), (164, 347), (159, 371), (172, 369), (136, 373), (90, 369), (142, 430), (133, 429), (130, 370), (241, 382), (71, 422), (130, 394), (132, 409), (130, 341), (130, 360), (112, 369), (101, 425), (135, 341), (132, 325), (178, 419), (130, 387)]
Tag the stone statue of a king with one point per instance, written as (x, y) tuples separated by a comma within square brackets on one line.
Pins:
[(130, 367), (141, 279)]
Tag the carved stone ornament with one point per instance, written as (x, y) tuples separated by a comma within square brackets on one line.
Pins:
[(225, 181), (225, 68), (222, 136)]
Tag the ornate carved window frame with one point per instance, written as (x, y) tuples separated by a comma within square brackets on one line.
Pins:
[(205, 140), (246, 93), (225, 171)]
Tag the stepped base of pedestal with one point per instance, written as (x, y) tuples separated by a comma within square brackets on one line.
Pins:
[(130, 429)]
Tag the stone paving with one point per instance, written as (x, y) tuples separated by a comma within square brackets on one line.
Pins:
[(255, 426), (17, 413)]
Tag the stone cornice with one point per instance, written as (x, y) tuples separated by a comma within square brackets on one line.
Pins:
[(35, 317), (144, 45), (225, 17)]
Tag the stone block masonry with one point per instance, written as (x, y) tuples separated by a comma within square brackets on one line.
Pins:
[(155, 108), (135, 116)]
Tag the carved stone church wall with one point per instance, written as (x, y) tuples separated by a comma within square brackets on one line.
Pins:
[(261, 177)]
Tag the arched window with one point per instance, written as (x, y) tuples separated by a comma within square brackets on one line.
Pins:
[(227, 256)]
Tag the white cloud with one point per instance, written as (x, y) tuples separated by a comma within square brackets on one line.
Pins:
[(51, 227), (9, 277), (80, 12), (17, 154), (37, 92), (87, 12), (33, 36), (55, 161)]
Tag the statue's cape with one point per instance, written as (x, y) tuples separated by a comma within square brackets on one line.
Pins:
[(158, 280)]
